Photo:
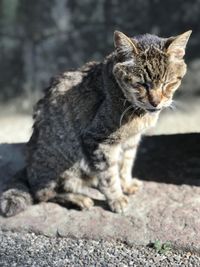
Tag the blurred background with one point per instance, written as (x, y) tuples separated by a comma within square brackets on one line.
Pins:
[(40, 39)]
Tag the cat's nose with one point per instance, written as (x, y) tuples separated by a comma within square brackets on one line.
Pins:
[(154, 102)]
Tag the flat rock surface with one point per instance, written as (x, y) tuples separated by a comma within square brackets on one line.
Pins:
[(167, 208)]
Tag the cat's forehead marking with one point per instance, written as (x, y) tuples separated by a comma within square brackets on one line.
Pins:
[(154, 64), (153, 59)]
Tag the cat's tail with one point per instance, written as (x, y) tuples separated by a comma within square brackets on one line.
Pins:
[(17, 196)]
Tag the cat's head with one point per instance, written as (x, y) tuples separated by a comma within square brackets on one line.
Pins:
[(149, 69)]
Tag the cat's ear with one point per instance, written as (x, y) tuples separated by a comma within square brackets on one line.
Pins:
[(124, 44), (175, 46)]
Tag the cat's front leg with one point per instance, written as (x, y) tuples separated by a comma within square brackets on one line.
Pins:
[(129, 149), (106, 161)]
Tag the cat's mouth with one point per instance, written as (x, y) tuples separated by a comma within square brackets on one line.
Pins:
[(153, 109)]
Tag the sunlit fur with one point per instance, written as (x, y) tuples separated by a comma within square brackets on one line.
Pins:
[(149, 78)]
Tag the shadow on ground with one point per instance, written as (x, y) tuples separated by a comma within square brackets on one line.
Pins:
[(171, 159)]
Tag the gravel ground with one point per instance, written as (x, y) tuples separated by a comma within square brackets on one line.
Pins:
[(23, 250)]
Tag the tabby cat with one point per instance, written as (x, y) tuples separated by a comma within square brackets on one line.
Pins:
[(89, 123)]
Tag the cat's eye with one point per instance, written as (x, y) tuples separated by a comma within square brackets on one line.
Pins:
[(128, 79), (146, 85)]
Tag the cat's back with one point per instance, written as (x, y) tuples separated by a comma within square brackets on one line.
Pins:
[(76, 90), (70, 79), (69, 103)]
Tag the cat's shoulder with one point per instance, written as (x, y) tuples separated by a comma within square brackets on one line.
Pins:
[(73, 81), (70, 78)]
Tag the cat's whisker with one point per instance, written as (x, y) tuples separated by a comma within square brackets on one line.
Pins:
[(180, 106), (134, 111), (125, 100), (172, 106), (122, 116), (139, 105)]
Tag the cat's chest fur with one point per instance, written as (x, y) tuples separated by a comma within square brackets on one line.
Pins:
[(138, 125)]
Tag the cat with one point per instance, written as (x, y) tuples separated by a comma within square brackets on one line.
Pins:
[(89, 123)]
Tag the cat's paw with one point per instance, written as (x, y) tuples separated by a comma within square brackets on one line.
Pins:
[(12, 203), (85, 203), (133, 187), (119, 205)]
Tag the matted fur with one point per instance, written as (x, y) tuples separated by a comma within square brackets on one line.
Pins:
[(89, 123)]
